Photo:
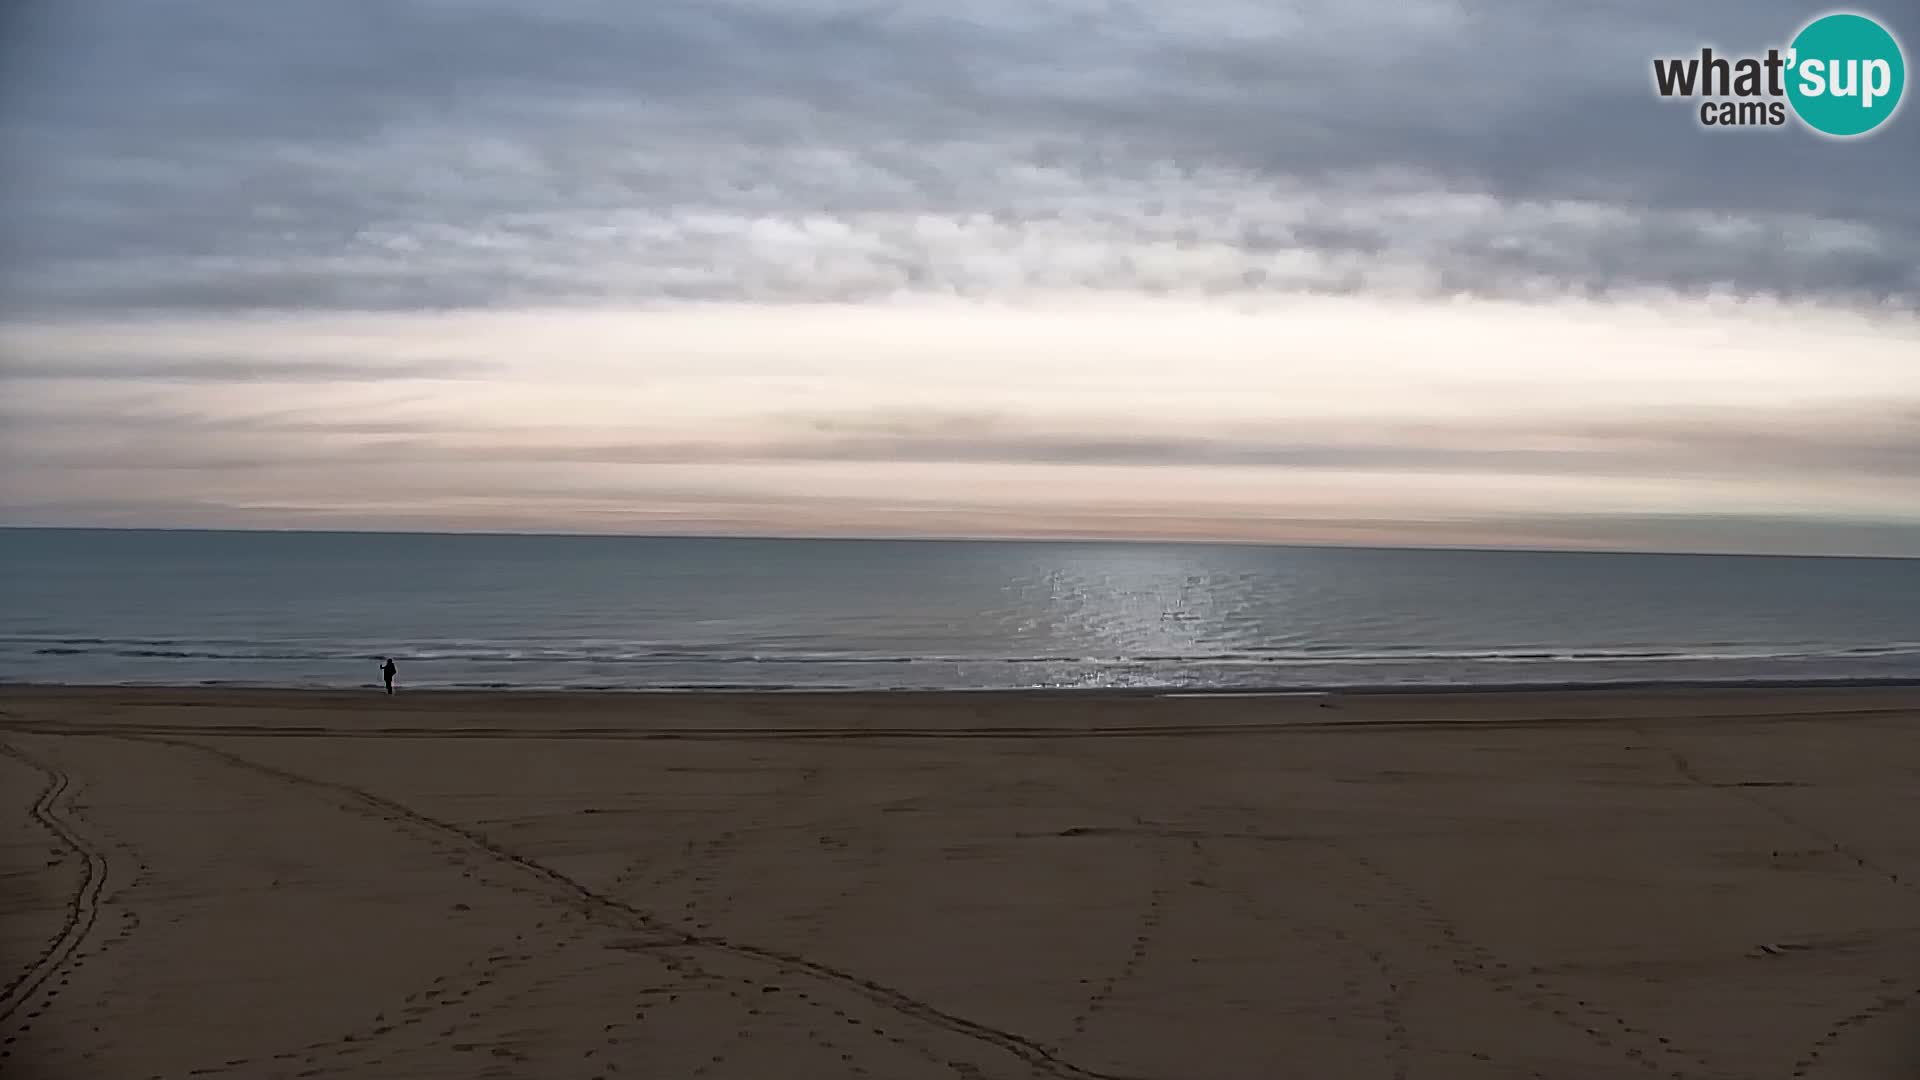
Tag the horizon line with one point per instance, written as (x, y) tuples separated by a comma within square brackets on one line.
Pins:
[(1134, 541)]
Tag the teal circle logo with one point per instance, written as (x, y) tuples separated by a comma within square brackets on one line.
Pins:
[(1845, 74)]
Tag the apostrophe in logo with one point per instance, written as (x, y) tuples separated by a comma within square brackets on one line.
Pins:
[(1842, 75), (1847, 74)]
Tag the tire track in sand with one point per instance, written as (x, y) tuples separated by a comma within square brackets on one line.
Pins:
[(475, 990), (596, 904), (83, 908)]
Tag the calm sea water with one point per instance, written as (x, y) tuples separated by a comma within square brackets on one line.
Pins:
[(318, 609)]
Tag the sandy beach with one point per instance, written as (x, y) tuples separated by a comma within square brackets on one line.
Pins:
[(1566, 885)]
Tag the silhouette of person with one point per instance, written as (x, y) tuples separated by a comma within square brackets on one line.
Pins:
[(387, 670)]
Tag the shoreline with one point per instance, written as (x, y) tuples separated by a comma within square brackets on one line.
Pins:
[(1026, 694)]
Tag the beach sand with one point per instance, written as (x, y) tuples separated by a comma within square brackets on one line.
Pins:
[(254, 884)]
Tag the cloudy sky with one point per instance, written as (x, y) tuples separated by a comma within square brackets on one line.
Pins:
[(1355, 271)]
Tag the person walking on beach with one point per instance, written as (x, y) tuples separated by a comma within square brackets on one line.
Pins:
[(386, 671)]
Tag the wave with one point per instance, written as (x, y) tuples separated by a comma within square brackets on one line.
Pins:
[(1307, 656)]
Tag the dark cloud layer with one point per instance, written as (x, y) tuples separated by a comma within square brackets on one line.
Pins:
[(1876, 442), (671, 512), (401, 154)]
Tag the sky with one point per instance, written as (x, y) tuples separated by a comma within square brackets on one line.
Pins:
[(1408, 272)]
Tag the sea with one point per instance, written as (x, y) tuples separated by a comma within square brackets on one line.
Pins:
[(312, 609)]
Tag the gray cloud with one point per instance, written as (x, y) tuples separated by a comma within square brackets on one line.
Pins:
[(230, 369), (1881, 441), (1873, 441), (420, 154), (189, 156)]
